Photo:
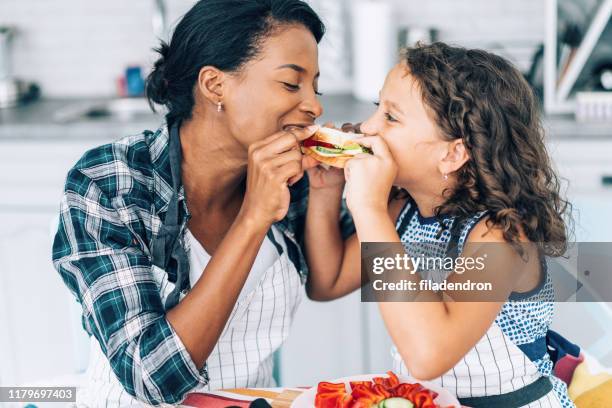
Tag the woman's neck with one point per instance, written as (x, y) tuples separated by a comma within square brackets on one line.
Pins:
[(214, 165)]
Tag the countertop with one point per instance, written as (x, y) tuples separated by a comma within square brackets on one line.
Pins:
[(38, 121)]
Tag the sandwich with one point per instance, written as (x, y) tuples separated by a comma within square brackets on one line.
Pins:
[(333, 147)]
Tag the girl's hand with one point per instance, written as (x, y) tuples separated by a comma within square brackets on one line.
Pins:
[(274, 162), (321, 178), (369, 177)]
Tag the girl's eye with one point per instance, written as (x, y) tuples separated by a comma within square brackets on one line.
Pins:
[(318, 93), (291, 87), (376, 103), (390, 118)]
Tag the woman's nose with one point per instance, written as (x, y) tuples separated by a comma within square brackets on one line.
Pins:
[(312, 107)]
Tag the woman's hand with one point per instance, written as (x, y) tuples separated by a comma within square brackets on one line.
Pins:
[(369, 177), (273, 163)]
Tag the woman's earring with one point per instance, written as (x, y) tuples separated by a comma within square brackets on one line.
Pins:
[(219, 106), (445, 176)]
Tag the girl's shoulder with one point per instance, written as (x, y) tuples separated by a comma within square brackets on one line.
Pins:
[(524, 270), (485, 230)]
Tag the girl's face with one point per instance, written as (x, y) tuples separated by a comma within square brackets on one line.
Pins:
[(415, 142), (277, 89)]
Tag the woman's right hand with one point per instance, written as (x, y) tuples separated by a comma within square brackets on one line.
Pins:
[(272, 163)]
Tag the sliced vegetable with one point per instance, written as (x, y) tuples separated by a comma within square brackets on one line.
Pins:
[(381, 392), (310, 142), (328, 400), (328, 150), (329, 386), (355, 383), (395, 402)]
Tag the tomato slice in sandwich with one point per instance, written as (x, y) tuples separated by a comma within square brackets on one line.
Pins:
[(310, 142)]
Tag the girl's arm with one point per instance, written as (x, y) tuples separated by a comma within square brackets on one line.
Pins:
[(431, 334), (334, 263)]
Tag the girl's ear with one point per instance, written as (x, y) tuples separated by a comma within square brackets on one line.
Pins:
[(210, 84), (456, 156)]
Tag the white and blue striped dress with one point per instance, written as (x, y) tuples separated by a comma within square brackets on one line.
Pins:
[(496, 364)]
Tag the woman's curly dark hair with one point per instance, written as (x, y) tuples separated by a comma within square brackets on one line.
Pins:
[(482, 99)]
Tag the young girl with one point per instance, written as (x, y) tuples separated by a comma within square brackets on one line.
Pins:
[(457, 133)]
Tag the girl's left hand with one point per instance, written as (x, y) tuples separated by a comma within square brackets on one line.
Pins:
[(369, 177)]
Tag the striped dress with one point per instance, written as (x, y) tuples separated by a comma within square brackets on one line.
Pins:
[(496, 364)]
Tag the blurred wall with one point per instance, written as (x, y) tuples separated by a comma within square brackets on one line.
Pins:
[(79, 48)]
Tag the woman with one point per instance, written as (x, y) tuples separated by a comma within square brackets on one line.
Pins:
[(184, 245)]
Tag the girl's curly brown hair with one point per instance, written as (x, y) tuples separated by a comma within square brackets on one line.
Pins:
[(482, 99)]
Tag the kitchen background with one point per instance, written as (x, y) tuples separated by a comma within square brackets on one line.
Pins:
[(69, 61)]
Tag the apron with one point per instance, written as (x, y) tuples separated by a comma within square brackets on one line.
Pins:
[(496, 372), (258, 324)]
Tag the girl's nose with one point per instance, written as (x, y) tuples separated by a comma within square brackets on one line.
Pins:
[(368, 127)]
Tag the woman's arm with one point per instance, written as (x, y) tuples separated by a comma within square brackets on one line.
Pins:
[(200, 317)]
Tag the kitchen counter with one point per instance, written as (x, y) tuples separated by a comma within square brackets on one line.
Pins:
[(38, 120)]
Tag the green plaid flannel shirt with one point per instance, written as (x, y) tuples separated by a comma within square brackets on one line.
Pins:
[(113, 204)]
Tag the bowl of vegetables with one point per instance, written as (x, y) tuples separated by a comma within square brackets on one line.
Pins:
[(376, 391)]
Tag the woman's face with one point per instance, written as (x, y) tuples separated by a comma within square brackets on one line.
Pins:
[(277, 90), (403, 121)]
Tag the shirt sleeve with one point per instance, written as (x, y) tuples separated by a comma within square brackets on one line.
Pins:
[(95, 253)]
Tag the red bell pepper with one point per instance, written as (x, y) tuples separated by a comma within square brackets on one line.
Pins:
[(328, 400), (423, 399), (355, 383), (329, 386), (393, 380), (366, 392), (346, 402)]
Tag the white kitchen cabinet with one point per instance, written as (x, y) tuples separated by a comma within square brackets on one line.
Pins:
[(40, 337), (35, 304)]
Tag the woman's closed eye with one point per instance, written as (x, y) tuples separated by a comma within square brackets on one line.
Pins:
[(291, 87), (295, 87)]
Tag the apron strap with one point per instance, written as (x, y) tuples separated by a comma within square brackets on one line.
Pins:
[(554, 344), (518, 398), (166, 246), (407, 216), (455, 234), (272, 238)]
